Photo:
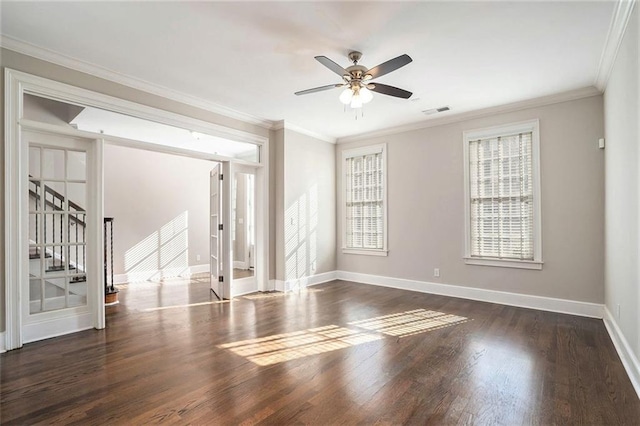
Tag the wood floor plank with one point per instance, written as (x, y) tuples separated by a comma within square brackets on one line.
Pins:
[(339, 353)]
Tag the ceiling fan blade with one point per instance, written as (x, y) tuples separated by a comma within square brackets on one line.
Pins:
[(391, 91), (319, 89), (332, 65), (390, 65)]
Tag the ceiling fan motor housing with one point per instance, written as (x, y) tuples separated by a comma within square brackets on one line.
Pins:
[(355, 57), (357, 71)]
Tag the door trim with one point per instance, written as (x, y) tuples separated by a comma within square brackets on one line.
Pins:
[(226, 260), (14, 188)]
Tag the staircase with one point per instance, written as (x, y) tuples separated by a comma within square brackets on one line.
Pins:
[(57, 252)]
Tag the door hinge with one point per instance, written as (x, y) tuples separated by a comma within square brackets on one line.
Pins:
[(220, 278), (220, 227), (221, 176)]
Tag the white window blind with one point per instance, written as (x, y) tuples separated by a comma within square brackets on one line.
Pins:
[(501, 190), (364, 201)]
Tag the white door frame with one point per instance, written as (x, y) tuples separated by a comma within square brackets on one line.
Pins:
[(18, 83), (226, 249)]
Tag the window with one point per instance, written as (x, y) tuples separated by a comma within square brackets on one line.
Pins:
[(502, 196), (364, 205)]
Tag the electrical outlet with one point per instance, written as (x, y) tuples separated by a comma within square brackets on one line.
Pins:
[(436, 272), (618, 311), (197, 257)]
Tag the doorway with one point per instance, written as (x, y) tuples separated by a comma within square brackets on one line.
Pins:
[(18, 86)]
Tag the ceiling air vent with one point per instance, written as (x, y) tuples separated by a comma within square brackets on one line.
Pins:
[(436, 110)]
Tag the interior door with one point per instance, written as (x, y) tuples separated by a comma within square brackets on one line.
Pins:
[(215, 240), (62, 286)]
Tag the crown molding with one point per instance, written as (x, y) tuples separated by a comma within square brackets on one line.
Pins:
[(283, 124), (619, 22), (571, 95), (48, 55)]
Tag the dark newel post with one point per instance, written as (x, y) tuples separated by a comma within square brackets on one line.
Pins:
[(111, 292)]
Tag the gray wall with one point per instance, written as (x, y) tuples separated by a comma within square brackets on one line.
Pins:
[(160, 203), (275, 138), (305, 205), (309, 206), (426, 206), (277, 184), (49, 111), (51, 71), (622, 153)]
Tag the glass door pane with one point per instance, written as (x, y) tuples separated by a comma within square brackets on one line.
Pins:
[(57, 228)]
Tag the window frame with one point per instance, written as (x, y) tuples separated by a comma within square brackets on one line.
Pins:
[(532, 126), (357, 152)]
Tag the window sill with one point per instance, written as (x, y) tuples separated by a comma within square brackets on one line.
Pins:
[(504, 263), (365, 252)]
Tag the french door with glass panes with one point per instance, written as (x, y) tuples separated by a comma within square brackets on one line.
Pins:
[(61, 292), (220, 255), (215, 233)]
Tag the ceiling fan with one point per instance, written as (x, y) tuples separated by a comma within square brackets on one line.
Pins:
[(357, 80)]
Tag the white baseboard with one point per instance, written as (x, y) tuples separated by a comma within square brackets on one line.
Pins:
[(3, 346), (238, 264), (564, 306), (132, 277), (279, 285), (199, 269), (304, 282), (56, 327), (629, 359), (271, 286), (244, 286)]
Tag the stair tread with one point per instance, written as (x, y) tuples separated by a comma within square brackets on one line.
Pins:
[(37, 255), (59, 268)]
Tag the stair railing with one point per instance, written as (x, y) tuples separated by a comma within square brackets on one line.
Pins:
[(110, 291), (47, 197)]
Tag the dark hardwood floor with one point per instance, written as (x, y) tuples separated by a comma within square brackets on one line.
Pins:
[(338, 353)]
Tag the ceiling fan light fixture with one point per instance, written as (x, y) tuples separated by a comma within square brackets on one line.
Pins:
[(365, 95), (356, 102), (346, 96)]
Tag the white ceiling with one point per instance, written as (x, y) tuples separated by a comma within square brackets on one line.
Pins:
[(252, 56)]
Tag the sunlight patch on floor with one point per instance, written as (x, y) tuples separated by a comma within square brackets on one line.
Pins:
[(164, 282), (190, 305), (272, 294), (409, 323), (289, 346)]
